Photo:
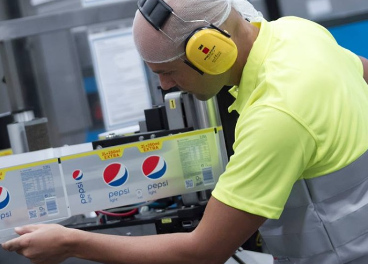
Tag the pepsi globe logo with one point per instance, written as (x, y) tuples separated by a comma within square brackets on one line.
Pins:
[(154, 167), (77, 175), (115, 174), (4, 197)]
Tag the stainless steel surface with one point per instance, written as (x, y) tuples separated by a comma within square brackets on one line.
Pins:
[(3, 11), (208, 113), (60, 88), (189, 109), (174, 110), (13, 86), (34, 7), (4, 98), (17, 137), (35, 25)]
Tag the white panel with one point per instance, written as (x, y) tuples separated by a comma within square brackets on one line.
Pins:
[(121, 78)]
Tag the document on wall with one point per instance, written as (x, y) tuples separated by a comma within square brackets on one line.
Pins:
[(121, 78)]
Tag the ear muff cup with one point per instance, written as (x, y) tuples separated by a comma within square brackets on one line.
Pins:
[(211, 51)]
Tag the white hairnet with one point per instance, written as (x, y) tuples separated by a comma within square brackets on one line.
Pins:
[(156, 47)]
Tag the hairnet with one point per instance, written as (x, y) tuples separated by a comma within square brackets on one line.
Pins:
[(158, 47)]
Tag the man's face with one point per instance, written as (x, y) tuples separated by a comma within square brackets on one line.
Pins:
[(178, 74)]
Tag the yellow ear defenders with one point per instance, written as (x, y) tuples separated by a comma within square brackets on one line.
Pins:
[(209, 49)]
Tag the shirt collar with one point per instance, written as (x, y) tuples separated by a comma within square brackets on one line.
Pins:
[(251, 69)]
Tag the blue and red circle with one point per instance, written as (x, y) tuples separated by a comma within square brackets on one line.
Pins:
[(154, 167), (4, 197), (115, 174), (77, 175)]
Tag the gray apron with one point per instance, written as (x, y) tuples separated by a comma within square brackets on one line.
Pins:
[(325, 220)]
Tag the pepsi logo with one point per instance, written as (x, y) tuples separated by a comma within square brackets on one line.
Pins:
[(4, 197), (115, 174), (77, 175), (154, 167)]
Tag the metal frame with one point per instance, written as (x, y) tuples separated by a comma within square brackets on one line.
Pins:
[(7, 59), (344, 20), (35, 25)]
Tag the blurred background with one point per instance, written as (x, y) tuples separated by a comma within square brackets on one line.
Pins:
[(73, 62), (71, 65)]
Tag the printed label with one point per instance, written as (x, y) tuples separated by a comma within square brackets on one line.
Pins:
[(150, 146), (112, 153), (39, 190), (172, 104), (196, 161), (166, 220)]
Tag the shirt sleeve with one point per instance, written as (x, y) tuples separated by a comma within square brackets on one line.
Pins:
[(354, 58), (271, 151)]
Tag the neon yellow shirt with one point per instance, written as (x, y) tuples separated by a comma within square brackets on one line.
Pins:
[(303, 106)]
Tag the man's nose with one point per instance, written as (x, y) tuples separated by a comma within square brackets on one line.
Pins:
[(166, 82)]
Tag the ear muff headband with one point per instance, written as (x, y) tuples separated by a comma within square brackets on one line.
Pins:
[(208, 49), (156, 12)]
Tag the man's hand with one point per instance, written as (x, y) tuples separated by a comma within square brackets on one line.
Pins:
[(221, 231), (42, 244)]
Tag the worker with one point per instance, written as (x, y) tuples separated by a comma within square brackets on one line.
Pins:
[(299, 169)]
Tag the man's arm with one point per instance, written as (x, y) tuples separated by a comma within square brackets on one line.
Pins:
[(221, 231), (365, 68)]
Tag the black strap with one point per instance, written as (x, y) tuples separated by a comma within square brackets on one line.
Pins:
[(156, 12), (193, 67)]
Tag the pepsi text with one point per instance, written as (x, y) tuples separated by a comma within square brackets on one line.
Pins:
[(113, 196), (84, 198), (5, 215), (154, 187)]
